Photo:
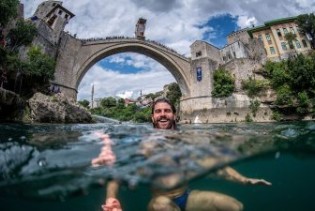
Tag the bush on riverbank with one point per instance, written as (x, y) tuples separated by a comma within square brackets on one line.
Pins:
[(294, 82), (223, 83), (124, 113)]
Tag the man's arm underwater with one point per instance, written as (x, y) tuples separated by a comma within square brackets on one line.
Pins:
[(107, 157), (232, 175), (111, 202)]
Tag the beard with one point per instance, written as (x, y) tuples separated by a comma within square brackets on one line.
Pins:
[(164, 123)]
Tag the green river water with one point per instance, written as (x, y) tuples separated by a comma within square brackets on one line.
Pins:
[(48, 166)]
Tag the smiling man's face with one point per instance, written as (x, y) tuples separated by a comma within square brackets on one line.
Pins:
[(163, 116)]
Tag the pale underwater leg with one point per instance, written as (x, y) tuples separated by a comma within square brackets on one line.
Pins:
[(212, 201)]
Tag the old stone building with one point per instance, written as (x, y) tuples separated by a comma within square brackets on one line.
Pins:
[(240, 35), (272, 34), (50, 19)]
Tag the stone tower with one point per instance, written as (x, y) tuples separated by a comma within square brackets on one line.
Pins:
[(205, 58), (55, 16), (50, 19), (140, 28)]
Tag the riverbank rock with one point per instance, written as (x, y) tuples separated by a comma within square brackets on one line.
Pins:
[(56, 109)]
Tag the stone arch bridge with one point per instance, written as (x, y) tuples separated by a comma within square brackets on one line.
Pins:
[(76, 57)]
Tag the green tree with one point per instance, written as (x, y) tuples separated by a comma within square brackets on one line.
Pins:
[(284, 95), (8, 10), (277, 73), (121, 103), (174, 93), (223, 83), (41, 66), (84, 103), (304, 103), (108, 102), (290, 37), (254, 87), (306, 23), (143, 115), (22, 34), (301, 73)]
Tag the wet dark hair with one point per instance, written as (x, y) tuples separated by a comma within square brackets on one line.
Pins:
[(163, 100)]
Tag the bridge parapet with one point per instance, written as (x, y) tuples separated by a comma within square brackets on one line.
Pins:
[(113, 39)]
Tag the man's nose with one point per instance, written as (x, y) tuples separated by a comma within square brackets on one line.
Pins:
[(162, 113)]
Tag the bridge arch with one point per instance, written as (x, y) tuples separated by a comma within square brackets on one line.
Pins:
[(90, 52)]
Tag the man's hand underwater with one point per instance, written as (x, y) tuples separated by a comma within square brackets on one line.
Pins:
[(112, 204)]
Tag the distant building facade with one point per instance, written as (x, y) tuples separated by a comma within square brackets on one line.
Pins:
[(272, 34)]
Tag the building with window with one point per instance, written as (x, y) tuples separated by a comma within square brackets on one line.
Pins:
[(272, 34)]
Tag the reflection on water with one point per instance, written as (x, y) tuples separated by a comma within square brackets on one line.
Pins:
[(54, 161)]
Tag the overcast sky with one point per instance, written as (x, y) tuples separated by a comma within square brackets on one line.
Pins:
[(175, 23)]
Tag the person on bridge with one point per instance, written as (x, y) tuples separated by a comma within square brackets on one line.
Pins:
[(163, 116)]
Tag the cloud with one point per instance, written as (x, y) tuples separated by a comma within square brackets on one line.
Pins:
[(160, 6), (245, 21), (111, 83)]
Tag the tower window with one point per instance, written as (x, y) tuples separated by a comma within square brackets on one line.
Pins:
[(51, 21), (66, 16), (198, 53), (60, 12)]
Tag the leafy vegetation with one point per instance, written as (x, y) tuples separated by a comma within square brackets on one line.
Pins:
[(294, 82), (8, 11), (223, 85), (117, 110), (28, 72), (306, 23), (22, 34), (254, 105), (84, 103), (174, 94), (254, 87), (290, 37)]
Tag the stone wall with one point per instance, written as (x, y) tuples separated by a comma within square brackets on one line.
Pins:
[(218, 110), (243, 69)]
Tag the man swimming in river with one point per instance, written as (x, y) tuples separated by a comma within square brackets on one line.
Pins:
[(163, 116)]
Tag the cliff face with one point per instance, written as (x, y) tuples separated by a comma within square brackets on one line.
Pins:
[(10, 105), (56, 109)]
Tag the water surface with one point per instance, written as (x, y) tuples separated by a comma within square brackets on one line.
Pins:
[(48, 167)]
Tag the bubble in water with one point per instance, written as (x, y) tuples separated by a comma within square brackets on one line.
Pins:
[(22, 137), (277, 155), (10, 139), (42, 162)]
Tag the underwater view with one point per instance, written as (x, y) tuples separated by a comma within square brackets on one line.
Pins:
[(59, 167)]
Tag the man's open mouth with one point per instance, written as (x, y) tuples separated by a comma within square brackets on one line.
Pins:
[(163, 120)]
